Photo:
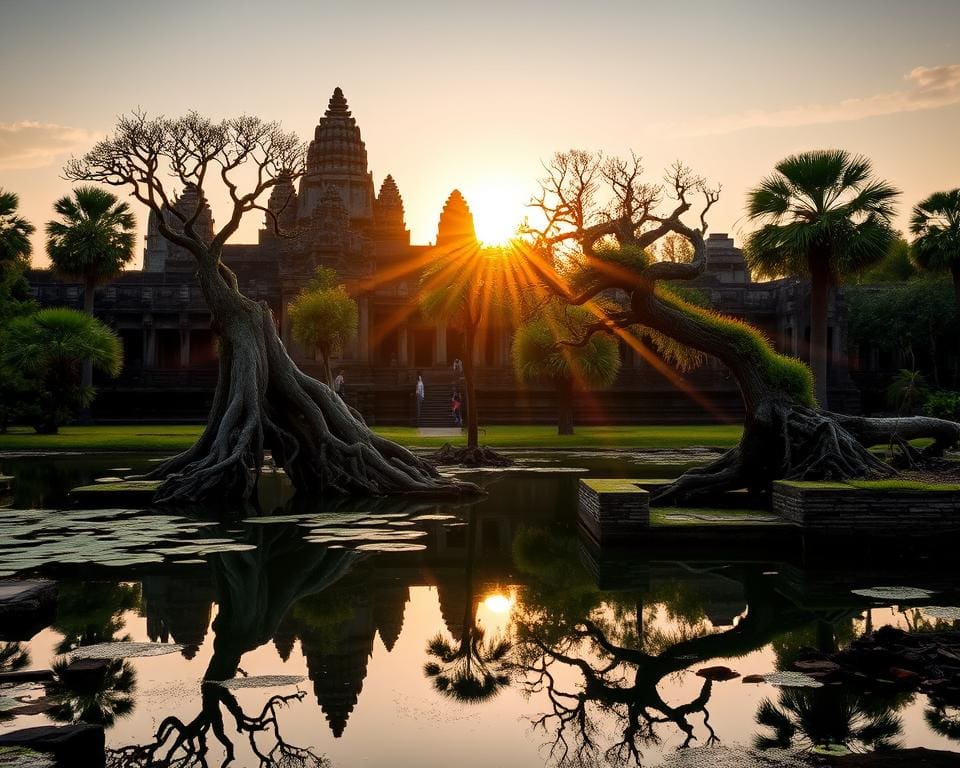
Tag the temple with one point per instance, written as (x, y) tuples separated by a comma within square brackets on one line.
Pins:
[(342, 220)]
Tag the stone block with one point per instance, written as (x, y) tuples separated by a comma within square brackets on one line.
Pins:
[(613, 510)]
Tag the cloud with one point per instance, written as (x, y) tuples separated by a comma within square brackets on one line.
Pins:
[(29, 144), (925, 88)]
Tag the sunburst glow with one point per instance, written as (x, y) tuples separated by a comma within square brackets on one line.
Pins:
[(498, 208)]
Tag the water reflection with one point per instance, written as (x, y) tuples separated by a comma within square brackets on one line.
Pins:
[(504, 600), (827, 716), (600, 664), (91, 691), (254, 590), (473, 667)]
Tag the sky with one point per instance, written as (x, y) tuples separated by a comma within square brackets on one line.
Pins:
[(476, 95)]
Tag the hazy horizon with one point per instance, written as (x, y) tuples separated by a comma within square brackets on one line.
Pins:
[(469, 97)]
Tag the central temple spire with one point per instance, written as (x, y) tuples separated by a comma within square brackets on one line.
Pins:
[(337, 156)]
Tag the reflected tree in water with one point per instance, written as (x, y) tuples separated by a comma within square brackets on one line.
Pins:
[(819, 717), (99, 694), (943, 717), (91, 612), (590, 655), (13, 657), (473, 667), (185, 745), (255, 589)]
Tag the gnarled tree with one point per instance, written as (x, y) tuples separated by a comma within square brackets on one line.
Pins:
[(262, 401), (601, 221)]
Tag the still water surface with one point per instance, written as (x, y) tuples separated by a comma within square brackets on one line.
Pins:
[(494, 636)]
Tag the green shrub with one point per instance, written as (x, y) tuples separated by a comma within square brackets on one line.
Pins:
[(943, 405)]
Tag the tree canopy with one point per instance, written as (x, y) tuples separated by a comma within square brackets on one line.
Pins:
[(822, 215), (49, 346), (94, 237), (324, 317)]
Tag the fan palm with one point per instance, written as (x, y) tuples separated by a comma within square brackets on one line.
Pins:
[(91, 242), (822, 215), (51, 345), (15, 232), (935, 225)]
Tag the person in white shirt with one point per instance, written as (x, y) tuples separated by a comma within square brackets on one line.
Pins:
[(421, 393), (338, 384)]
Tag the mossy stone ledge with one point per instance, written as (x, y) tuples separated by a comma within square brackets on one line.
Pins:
[(869, 507)]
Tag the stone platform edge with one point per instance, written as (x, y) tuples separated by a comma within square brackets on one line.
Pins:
[(887, 509)]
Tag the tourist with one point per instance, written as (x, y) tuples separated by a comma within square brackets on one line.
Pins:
[(456, 403), (457, 366), (338, 384), (421, 393)]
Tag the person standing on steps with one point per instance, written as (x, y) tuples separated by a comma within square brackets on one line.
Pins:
[(421, 393), (456, 403), (338, 384)]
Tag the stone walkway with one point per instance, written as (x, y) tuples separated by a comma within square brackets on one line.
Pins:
[(439, 432)]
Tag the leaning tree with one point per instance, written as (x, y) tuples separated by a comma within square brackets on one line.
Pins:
[(593, 249), (262, 400)]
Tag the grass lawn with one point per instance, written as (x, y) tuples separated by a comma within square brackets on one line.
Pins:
[(164, 437)]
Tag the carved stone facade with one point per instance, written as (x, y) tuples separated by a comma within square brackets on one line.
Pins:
[(340, 221)]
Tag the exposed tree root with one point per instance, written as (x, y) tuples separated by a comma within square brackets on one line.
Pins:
[(791, 442), (481, 456), (263, 401)]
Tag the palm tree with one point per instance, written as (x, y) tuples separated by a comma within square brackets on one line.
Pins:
[(935, 225), (467, 286), (537, 357), (823, 215), (50, 346), (91, 243), (15, 232)]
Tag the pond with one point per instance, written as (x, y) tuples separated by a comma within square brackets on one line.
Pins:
[(485, 634)]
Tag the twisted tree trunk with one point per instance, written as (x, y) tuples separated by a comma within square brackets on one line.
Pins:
[(264, 402), (819, 337), (565, 406), (469, 380), (783, 438)]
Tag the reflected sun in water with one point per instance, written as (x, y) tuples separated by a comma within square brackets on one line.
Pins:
[(498, 603)]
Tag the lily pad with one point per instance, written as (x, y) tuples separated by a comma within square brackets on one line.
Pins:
[(258, 681), (942, 612), (788, 679), (21, 757), (894, 594), (391, 546), (125, 650)]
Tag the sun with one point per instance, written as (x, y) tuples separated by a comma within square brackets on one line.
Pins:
[(497, 603), (498, 208)]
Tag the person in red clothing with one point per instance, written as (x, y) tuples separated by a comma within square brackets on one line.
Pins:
[(456, 404)]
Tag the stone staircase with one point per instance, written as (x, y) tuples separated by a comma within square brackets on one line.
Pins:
[(436, 410)]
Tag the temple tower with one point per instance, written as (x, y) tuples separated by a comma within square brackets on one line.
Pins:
[(283, 207), (456, 223), (337, 156), (388, 214), (160, 252)]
